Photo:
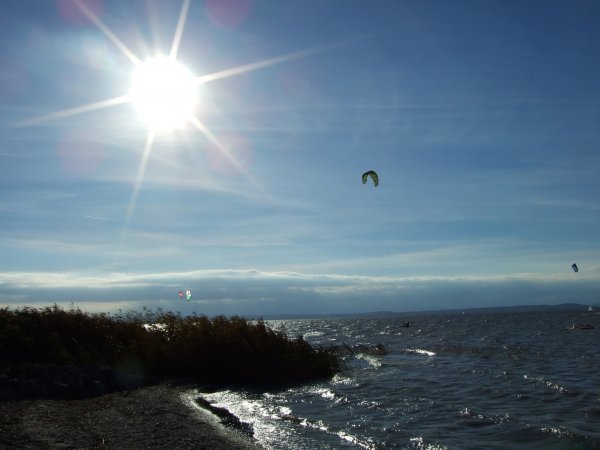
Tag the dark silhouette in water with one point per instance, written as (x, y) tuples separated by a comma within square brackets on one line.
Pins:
[(581, 326)]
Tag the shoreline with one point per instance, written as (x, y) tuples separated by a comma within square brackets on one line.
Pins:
[(160, 416)]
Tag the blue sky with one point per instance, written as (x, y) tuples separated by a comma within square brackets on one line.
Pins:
[(481, 119)]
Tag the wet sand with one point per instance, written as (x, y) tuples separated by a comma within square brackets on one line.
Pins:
[(160, 416)]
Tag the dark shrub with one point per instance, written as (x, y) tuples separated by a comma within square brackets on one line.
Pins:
[(162, 345)]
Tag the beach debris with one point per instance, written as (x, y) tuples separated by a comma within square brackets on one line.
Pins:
[(574, 267), (373, 175), (226, 417)]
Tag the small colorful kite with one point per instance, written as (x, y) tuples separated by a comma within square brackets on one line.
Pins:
[(373, 175)]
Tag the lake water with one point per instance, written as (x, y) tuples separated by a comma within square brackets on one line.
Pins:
[(455, 381)]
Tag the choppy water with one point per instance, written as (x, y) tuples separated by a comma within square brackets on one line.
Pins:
[(472, 381)]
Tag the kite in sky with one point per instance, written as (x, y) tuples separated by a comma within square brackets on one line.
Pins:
[(373, 175), (188, 295), (574, 267), (180, 294)]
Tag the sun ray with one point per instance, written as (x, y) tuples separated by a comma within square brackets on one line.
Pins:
[(72, 111), (224, 150), (266, 63), (195, 81), (179, 30), (139, 178), (115, 40)]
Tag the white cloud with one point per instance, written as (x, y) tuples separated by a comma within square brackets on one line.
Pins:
[(256, 292)]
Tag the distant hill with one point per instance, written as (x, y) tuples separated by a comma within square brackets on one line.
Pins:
[(575, 307)]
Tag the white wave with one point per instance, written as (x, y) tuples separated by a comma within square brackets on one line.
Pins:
[(372, 360), (356, 441), (561, 432), (419, 351), (313, 334), (550, 384), (323, 392), (261, 416), (421, 445), (347, 381)]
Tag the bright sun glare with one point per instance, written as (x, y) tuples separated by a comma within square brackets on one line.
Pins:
[(164, 93)]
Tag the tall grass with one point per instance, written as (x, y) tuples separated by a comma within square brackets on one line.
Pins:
[(218, 350)]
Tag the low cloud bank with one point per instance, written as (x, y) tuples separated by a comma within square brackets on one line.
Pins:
[(254, 292)]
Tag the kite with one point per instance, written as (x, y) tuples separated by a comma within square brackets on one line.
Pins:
[(188, 295), (574, 267), (180, 294), (373, 175)]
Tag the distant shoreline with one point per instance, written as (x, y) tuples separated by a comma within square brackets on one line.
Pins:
[(563, 307)]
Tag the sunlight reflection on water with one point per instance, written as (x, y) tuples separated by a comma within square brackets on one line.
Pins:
[(455, 381)]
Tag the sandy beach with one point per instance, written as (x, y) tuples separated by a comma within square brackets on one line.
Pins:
[(162, 416)]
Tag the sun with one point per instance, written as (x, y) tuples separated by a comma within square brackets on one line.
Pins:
[(164, 93)]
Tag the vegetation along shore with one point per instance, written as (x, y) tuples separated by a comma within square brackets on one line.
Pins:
[(56, 353), (81, 380)]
